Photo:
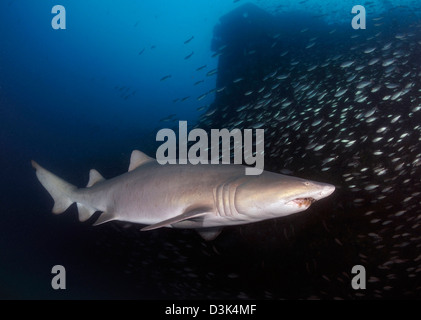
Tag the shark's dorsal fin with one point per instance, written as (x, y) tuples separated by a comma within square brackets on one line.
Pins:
[(188, 214), (137, 159), (209, 234), (94, 177)]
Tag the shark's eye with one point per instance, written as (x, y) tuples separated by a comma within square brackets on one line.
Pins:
[(307, 183)]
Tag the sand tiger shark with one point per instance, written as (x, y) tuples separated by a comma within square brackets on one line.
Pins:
[(205, 197)]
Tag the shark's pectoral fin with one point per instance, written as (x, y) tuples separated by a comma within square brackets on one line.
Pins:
[(209, 234), (188, 214)]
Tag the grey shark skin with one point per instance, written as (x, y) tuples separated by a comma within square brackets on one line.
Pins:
[(202, 197)]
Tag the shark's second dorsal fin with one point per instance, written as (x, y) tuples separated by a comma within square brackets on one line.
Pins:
[(94, 177), (188, 214), (137, 159)]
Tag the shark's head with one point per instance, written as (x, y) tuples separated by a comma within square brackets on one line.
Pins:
[(274, 195)]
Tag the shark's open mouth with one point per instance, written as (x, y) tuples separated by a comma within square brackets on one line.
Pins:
[(304, 202)]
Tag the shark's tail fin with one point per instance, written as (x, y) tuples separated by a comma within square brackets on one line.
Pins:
[(61, 191)]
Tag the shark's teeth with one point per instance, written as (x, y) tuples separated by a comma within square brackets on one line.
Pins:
[(306, 202)]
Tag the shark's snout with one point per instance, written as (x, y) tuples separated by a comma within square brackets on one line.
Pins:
[(326, 191), (317, 191)]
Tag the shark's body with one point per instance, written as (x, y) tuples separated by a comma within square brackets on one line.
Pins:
[(203, 197)]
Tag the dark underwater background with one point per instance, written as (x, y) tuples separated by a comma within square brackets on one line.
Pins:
[(338, 105)]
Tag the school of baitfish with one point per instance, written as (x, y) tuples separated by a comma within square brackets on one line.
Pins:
[(355, 117), (344, 107)]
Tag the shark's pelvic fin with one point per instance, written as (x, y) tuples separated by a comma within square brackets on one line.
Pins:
[(94, 177), (60, 190), (188, 214), (137, 159), (105, 217)]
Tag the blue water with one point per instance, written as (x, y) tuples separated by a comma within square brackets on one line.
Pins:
[(84, 98)]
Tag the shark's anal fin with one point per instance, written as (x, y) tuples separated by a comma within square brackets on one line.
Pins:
[(188, 214), (85, 212), (209, 234), (137, 159)]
